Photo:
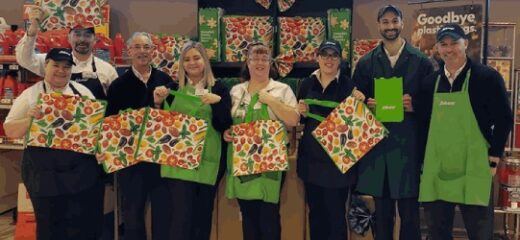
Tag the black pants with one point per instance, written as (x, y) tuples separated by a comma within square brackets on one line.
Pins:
[(76, 216), (440, 220), (385, 216), (136, 184), (192, 207), (327, 212), (260, 220)]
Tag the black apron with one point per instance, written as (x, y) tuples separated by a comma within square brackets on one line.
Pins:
[(50, 172), (93, 84)]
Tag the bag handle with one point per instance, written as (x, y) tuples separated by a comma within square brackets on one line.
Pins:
[(322, 103)]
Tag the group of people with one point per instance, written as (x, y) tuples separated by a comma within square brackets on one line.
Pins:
[(443, 154)]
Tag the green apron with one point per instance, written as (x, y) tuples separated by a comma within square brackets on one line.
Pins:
[(265, 186), (206, 173), (456, 167)]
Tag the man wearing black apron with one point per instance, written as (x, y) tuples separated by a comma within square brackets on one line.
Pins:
[(89, 70), (64, 186), (466, 120)]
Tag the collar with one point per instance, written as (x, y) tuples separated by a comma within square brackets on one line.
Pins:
[(398, 53), (199, 85), (270, 86), (317, 74), (49, 88), (140, 76), (452, 77)]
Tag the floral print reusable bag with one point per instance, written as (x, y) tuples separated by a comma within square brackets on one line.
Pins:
[(68, 122)]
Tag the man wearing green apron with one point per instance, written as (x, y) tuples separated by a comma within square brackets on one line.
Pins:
[(467, 119), (390, 171)]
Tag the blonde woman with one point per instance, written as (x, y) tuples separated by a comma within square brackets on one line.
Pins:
[(194, 191)]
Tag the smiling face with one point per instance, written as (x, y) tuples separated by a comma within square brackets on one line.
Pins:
[(140, 50), (82, 41), (259, 62), (57, 73), (328, 61), (193, 63), (390, 26), (452, 51)]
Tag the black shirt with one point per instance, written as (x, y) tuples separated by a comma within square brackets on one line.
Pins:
[(314, 164), (488, 99)]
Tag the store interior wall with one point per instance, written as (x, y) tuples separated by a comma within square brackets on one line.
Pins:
[(180, 16), (364, 18)]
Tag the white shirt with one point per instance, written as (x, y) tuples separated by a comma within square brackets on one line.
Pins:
[(29, 98), (240, 98), (451, 78), (393, 59), (27, 58), (140, 76)]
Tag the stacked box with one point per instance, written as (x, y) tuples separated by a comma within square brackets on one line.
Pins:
[(301, 35), (340, 28), (172, 138), (240, 31), (209, 31), (68, 123)]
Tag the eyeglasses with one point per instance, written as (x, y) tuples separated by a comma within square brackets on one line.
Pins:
[(333, 56), (260, 60), (145, 47)]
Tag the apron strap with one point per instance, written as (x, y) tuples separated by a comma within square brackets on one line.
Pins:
[(74, 90)]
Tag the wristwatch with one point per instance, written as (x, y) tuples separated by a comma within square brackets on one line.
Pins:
[(492, 164)]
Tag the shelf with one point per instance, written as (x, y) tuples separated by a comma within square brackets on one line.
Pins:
[(10, 146), (5, 106), (500, 58)]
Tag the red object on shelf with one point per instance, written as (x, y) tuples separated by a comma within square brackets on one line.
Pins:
[(509, 172), (119, 49), (509, 198), (4, 45), (517, 135), (104, 48), (8, 81)]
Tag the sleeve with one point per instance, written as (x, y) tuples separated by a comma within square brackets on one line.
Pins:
[(221, 111), (425, 70), (114, 100), (302, 94), (288, 97), (20, 107), (27, 58), (362, 79), (499, 112), (423, 109)]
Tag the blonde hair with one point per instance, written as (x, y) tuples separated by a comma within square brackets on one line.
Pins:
[(208, 79)]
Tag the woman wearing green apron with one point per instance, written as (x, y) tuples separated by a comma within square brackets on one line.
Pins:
[(259, 197), (466, 108), (193, 191)]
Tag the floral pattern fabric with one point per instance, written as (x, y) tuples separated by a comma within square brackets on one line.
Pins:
[(72, 13), (240, 31), (259, 147), (119, 139), (349, 132), (167, 53), (173, 139), (301, 36), (68, 123)]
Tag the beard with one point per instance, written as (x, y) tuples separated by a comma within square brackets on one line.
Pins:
[(82, 48), (386, 34)]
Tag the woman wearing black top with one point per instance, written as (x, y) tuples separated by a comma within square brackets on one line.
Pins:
[(326, 188)]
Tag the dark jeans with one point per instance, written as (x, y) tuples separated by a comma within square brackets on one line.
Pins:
[(260, 220), (76, 216), (136, 184), (440, 220), (192, 208), (327, 212)]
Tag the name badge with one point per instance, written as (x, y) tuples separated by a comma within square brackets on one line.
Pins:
[(200, 92)]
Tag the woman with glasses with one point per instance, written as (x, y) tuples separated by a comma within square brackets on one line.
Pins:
[(193, 191), (326, 188), (133, 90), (259, 195)]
